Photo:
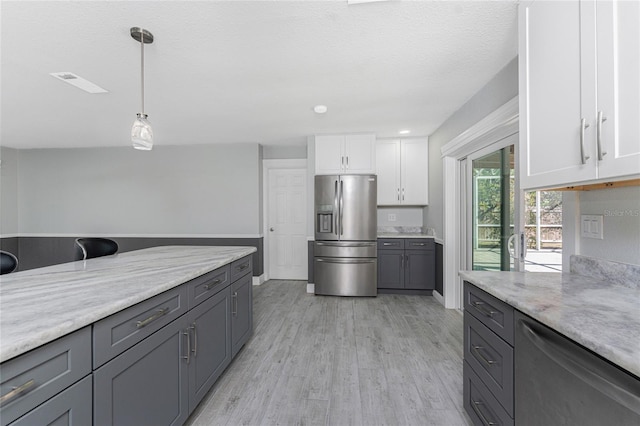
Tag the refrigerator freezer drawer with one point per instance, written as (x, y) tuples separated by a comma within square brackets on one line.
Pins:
[(345, 249), (345, 276)]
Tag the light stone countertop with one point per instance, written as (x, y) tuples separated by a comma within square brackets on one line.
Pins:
[(40, 305), (402, 235), (600, 316)]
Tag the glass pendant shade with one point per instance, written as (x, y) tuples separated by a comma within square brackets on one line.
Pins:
[(141, 133)]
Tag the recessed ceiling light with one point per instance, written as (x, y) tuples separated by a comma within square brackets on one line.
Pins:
[(79, 82), (320, 109), (404, 132)]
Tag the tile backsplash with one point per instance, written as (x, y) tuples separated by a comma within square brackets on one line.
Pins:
[(615, 272)]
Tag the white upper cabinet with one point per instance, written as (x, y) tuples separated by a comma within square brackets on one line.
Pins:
[(565, 87), (340, 154), (402, 169)]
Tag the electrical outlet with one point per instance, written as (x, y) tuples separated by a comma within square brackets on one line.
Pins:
[(391, 217), (591, 226)]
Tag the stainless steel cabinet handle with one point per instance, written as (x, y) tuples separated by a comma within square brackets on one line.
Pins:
[(398, 194), (402, 194), (212, 284), (407, 261), (234, 303), (345, 244), (188, 350), (17, 391), (486, 360), (483, 311), (402, 261), (242, 267), (339, 261), (195, 339), (152, 318), (476, 407), (347, 161), (583, 126), (418, 244), (601, 120), (389, 244)]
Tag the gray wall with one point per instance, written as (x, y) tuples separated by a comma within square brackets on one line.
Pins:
[(621, 210), (8, 191), (184, 190), (502, 87)]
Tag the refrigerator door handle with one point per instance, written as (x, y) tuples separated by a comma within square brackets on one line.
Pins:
[(346, 244), (344, 260), (335, 205), (341, 206)]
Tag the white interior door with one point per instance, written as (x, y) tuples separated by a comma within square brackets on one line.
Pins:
[(287, 224)]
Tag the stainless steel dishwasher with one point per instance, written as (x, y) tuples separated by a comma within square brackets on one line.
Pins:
[(559, 382)]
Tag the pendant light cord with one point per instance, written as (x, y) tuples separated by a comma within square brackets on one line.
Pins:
[(142, 70)]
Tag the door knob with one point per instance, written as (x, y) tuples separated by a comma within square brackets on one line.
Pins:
[(271, 229)]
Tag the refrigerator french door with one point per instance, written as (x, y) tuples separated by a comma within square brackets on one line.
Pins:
[(345, 261)]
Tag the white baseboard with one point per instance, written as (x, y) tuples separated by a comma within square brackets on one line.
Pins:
[(311, 288), (259, 280), (438, 297)]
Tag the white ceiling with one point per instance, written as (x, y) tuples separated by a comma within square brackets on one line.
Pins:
[(236, 71)]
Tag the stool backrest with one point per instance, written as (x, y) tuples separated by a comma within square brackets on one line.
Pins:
[(8, 262), (88, 248)]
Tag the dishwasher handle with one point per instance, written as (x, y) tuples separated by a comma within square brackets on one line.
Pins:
[(616, 385)]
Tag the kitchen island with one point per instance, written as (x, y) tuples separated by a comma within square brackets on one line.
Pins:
[(170, 315)]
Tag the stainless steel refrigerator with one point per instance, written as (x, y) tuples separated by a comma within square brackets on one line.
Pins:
[(345, 261)]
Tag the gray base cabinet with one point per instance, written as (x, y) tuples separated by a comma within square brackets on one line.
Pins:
[(406, 264), (241, 312), (488, 372), (210, 335), (71, 407), (147, 384)]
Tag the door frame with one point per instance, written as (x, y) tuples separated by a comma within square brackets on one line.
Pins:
[(503, 122), (267, 166)]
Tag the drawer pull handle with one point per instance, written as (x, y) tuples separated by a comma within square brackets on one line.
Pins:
[(188, 350), (389, 244), (486, 312), (241, 267), (212, 284), (17, 391), (152, 318), (195, 339), (487, 361), (476, 407), (418, 244)]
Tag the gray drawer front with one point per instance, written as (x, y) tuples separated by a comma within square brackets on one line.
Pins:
[(240, 268), (120, 331), (72, 407), (202, 288), (480, 404), (390, 244), (428, 244), (50, 368), (493, 313), (491, 359)]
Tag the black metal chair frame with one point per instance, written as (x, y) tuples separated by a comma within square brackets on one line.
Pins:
[(8, 263), (89, 248)]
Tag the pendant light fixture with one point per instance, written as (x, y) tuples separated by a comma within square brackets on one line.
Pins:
[(141, 133)]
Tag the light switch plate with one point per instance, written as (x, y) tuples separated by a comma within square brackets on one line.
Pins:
[(591, 226)]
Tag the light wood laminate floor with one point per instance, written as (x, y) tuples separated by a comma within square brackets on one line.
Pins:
[(319, 360)]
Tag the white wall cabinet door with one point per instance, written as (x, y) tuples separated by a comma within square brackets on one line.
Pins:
[(618, 109), (339, 154), (550, 62), (579, 92), (360, 154), (402, 169), (388, 171), (414, 172), (329, 154)]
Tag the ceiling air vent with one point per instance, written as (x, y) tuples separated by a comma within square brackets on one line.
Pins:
[(79, 82)]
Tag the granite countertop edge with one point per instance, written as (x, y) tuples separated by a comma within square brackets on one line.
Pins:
[(64, 298), (600, 316)]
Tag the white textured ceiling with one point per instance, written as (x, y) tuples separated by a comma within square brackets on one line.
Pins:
[(232, 71)]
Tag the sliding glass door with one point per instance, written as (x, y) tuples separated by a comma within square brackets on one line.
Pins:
[(493, 205)]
